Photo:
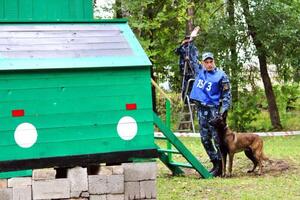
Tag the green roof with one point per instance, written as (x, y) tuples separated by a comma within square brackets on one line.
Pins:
[(69, 45)]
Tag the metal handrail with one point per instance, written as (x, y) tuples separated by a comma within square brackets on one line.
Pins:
[(168, 115)]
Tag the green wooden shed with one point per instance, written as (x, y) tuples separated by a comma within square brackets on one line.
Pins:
[(76, 92)]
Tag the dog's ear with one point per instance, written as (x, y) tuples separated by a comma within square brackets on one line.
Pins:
[(224, 116)]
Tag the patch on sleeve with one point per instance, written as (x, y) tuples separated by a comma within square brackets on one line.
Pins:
[(226, 86)]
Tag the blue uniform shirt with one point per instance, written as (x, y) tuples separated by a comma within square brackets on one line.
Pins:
[(211, 87)]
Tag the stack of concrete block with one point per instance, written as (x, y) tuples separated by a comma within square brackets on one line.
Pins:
[(123, 182)]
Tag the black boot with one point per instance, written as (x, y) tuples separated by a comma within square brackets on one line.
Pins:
[(218, 169), (214, 162)]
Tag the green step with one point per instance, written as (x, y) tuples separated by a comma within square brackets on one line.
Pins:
[(190, 158), (180, 164), (168, 151)]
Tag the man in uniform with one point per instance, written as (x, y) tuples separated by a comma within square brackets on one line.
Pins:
[(211, 92), (188, 62)]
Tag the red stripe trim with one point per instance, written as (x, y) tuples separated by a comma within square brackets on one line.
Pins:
[(18, 113), (131, 106)]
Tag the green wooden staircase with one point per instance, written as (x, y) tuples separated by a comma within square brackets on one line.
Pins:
[(165, 154)]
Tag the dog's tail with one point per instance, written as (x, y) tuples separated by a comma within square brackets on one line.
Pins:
[(265, 158)]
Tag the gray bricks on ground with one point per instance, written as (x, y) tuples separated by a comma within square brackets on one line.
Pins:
[(44, 174), (103, 184), (140, 171), (85, 194), (97, 184), (115, 197), (132, 190), (6, 194), (22, 193), (148, 189), (118, 170), (79, 180), (19, 182), (98, 197), (126, 181), (51, 189), (3, 183), (106, 170), (115, 184)]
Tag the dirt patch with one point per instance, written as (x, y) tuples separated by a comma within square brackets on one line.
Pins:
[(273, 168), (276, 167)]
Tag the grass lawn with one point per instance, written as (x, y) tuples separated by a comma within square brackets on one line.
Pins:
[(281, 181)]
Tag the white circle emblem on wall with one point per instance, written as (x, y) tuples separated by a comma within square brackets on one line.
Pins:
[(25, 135), (127, 128)]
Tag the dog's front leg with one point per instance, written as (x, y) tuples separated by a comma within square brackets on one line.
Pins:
[(230, 164), (224, 157)]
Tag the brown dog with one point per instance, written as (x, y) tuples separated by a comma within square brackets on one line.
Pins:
[(251, 144)]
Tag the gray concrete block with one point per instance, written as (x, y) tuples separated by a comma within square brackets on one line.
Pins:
[(85, 194), (3, 183), (44, 174), (79, 180), (19, 182), (115, 184), (98, 197), (118, 170), (79, 198), (140, 171), (105, 170), (51, 189), (148, 189), (6, 194), (75, 194), (115, 197), (20, 193), (132, 190), (97, 184)]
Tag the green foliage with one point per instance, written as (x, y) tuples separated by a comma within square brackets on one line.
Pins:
[(244, 112), (161, 25)]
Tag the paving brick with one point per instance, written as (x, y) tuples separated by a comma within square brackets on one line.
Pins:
[(44, 174), (140, 171), (3, 183), (79, 180), (19, 182), (115, 184), (78, 199), (105, 170), (6, 194), (115, 197), (98, 197), (132, 190), (147, 189), (97, 184), (85, 194), (20, 193), (51, 189), (118, 170)]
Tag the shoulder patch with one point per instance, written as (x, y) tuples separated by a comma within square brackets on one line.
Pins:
[(226, 86)]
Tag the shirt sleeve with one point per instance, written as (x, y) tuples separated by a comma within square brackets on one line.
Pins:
[(194, 58), (226, 94)]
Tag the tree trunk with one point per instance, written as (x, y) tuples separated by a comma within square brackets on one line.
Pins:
[(190, 21), (149, 12), (262, 57), (235, 69), (118, 9)]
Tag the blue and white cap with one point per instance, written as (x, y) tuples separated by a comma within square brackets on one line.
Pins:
[(207, 55)]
